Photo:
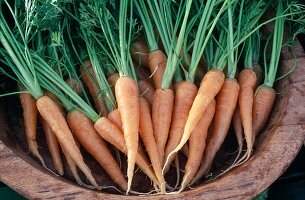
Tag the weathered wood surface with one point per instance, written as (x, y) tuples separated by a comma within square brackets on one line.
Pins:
[(277, 146)]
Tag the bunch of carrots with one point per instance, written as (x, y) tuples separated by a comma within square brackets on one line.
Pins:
[(150, 78)]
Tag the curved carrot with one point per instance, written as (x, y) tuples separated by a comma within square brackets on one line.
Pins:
[(147, 90), (238, 129), (197, 143), (49, 110), (185, 93), (112, 80), (113, 134), (139, 52), (83, 129), (88, 76), (247, 81), (128, 104), (30, 112), (53, 146), (162, 109), (226, 103), (263, 102), (157, 63), (209, 88), (146, 133)]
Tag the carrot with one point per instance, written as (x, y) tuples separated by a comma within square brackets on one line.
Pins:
[(238, 129), (157, 63), (83, 129), (113, 134), (162, 109), (197, 143), (146, 133), (144, 74), (259, 74), (55, 119), (247, 81), (185, 93), (28, 105), (147, 90), (226, 104), (139, 52), (88, 76), (53, 146), (112, 80), (115, 117), (210, 86), (263, 102), (128, 103), (75, 85)]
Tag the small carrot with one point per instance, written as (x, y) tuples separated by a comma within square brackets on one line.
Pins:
[(55, 119), (226, 104), (115, 117), (88, 77), (112, 80), (263, 103), (139, 52), (185, 93), (147, 90), (146, 133), (162, 109), (53, 146), (84, 130), (157, 63), (209, 88), (128, 103), (259, 74), (30, 123), (113, 134), (75, 85), (197, 143)]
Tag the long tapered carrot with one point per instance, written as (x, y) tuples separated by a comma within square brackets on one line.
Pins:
[(157, 63), (83, 129), (247, 82), (113, 134), (209, 88), (262, 106), (238, 129), (197, 143), (146, 133), (139, 52), (128, 103), (147, 90), (185, 93), (226, 104), (49, 110), (162, 109), (112, 80), (28, 104), (53, 146), (88, 77)]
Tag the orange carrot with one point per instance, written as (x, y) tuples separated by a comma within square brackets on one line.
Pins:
[(263, 102), (49, 110), (157, 63), (112, 80), (88, 76), (247, 81), (162, 109), (113, 134), (83, 129), (146, 133), (147, 90), (197, 145), (53, 146), (139, 52), (185, 93), (128, 103), (238, 129), (115, 117), (226, 103), (28, 105), (209, 88)]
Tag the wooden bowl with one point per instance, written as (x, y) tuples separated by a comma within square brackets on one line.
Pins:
[(277, 146)]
